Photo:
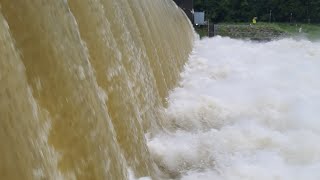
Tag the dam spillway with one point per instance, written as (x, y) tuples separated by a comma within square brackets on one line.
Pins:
[(83, 81)]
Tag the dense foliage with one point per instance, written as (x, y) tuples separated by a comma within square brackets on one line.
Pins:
[(265, 10)]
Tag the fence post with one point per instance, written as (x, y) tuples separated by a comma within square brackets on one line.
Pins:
[(208, 28)]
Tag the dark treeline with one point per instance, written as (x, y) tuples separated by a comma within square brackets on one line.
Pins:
[(244, 10)]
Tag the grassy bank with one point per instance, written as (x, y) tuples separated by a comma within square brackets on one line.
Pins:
[(246, 31), (265, 30), (310, 31)]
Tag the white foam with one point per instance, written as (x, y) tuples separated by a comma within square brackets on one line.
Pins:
[(245, 110), (131, 176)]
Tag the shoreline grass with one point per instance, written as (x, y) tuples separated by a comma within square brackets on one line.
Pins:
[(309, 31)]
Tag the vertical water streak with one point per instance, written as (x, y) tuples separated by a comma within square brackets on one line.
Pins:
[(148, 36), (163, 24), (25, 153), (81, 82), (149, 44), (118, 68), (58, 71)]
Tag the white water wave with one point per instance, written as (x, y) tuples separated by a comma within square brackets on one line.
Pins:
[(244, 110)]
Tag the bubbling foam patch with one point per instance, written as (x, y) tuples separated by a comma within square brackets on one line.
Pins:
[(244, 110)]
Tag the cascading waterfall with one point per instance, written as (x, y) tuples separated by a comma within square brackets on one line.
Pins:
[(81, 82)]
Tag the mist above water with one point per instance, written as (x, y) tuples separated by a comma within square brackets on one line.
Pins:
[(244, 110)]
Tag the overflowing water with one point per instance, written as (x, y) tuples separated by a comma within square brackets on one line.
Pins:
[(244, 110), (81, 81), (84, 94)]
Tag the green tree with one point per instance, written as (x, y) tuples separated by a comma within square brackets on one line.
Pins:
[(245, 10)]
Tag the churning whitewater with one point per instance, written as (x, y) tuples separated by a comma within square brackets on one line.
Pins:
[(244, 110)]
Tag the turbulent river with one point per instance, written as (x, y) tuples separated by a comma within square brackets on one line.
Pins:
[(244, 110)]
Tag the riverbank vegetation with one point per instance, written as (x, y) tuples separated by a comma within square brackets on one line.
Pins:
[(297, 18), (285, 11), (264, 30)]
